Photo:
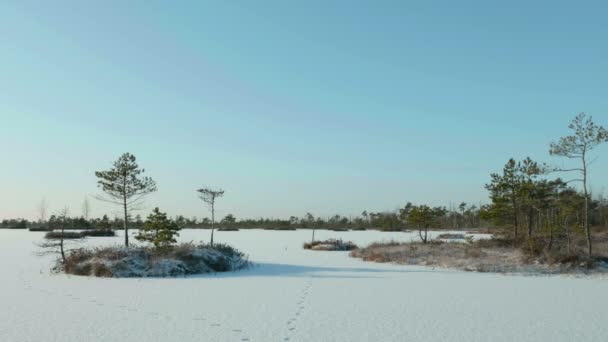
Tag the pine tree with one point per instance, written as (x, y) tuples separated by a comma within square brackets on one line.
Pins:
[(158, 230), (124, 185), (586, 137), (209, 196)]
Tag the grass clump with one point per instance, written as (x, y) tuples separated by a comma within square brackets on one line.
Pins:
[(64, 235), (179, 260), (330, 245), (98, 232), (39, 229), (451, 236), (501, 253)]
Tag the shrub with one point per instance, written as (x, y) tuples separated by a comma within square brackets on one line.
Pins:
[(450, 236), (228, 229), (330, 245), (38, 229), (65, 235), (179, 260), (158, 230), (98, 232)]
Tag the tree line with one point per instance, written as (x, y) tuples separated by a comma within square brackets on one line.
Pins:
[(524, 198)]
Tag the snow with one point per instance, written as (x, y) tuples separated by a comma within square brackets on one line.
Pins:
[(292, 294)]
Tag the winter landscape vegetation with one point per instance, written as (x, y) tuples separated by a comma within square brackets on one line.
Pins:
[(323, 172)]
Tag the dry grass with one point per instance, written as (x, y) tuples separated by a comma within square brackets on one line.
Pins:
[(280, 228), (39, 229), (451, 236), (330, 245), (179, 260), (98, 232), (78, 235), (499, 254), (65, 235)]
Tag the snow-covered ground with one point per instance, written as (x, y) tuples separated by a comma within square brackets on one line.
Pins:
[(293, 295)]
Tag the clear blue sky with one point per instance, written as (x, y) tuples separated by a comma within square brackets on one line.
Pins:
[(291, 106)]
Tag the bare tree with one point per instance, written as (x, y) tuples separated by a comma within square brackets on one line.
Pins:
[(57, 245), (43, 208), (86, 208), (587, 136), (209, 196), (124, 186), (310, 219)]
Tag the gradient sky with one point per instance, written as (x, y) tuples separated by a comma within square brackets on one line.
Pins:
[(291, 106)]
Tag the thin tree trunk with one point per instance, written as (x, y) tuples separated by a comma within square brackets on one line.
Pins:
[(61, 243), (586, 218), (125, 222), (530, 222), (550, 223), (212, 221), (567, 228), (425, 234), (515, 216)]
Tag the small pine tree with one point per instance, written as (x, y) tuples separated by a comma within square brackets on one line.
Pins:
[(158, 230)]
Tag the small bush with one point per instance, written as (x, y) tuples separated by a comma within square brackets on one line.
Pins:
[(98, 232), (228, 229), (330, 245), (65, 235), (450, 236), (38, 229)]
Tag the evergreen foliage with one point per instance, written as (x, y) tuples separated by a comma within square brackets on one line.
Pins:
[(158, 230), (125, 185)]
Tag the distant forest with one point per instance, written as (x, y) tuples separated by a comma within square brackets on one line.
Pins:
[(462, 217)]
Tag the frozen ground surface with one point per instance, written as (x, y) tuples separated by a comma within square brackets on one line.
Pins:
[(293, 295)]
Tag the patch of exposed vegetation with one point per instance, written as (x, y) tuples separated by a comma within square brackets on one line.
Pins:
[(498, 254), (64, 235), (180, 260), (228, 229), (78, 235), (98, 232), (451, 236), (330, 245), (39, 229)]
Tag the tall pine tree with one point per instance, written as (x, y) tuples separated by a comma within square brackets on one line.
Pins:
[(124, 185)]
